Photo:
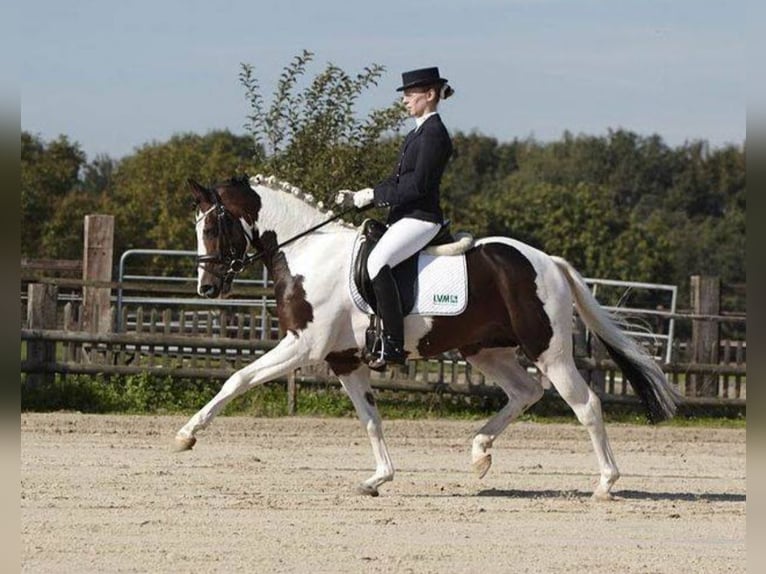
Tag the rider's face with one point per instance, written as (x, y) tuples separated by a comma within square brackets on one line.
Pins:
[(419, 101)]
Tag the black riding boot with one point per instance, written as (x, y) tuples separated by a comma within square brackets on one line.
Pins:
[(390, 312)]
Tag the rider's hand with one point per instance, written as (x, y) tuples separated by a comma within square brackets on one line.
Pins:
[(363, 197)]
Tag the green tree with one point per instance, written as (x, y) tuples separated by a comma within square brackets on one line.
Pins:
[(97, 176), (582, 223), (310, 135), (152, 207), (62, 234), (620, 205), (48, 172), (477, 165)]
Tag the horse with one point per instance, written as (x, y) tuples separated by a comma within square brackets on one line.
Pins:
[(518, 299)]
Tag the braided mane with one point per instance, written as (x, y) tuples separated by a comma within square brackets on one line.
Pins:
[(276, 184)]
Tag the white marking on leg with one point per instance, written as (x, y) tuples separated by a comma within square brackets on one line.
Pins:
[(502, 368), (357, 386), (587, 407), (288, 355)]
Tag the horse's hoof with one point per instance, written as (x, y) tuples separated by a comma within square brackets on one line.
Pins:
[(481, 466), (183, 443), (365, 490), (603, 496)]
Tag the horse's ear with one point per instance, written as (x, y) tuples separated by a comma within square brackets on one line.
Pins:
[(200, 192)]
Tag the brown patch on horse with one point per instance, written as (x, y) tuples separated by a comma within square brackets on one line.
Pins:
[(498, 274), (240, 199), (344, 362), (293, 310)]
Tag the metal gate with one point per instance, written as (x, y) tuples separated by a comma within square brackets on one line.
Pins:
[(636, 320), (123, 277)]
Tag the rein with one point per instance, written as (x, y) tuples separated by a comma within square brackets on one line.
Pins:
[(257, 256)]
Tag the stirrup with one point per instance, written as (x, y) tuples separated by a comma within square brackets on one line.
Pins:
[(390, 354)]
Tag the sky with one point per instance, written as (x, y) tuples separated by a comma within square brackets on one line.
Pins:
[(113, 76)]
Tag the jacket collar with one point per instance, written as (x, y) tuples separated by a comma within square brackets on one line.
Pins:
[(422, 119)]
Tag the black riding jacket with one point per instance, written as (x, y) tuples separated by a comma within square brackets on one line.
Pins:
[(413, 189)]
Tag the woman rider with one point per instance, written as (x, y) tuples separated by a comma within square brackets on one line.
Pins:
[(412, 193)]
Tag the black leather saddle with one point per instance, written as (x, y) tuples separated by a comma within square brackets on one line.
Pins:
[(405, 273)]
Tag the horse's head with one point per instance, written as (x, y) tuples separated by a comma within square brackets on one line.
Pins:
[(225, 222)]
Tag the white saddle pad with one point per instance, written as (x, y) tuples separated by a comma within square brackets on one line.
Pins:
[(441, 289)]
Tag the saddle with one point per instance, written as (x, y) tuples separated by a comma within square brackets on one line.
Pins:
[(405, 273)]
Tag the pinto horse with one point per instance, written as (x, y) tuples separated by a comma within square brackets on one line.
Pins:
[(518, 297)]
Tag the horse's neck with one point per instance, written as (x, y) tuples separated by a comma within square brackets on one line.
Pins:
[(283, 217), (288, 215), (322, 256)]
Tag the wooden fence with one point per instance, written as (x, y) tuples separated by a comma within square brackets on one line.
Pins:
[(184, 342)]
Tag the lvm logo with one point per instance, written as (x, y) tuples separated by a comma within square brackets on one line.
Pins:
[(445, 299)]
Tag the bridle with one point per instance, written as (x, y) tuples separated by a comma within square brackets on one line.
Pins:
[(227, 252)]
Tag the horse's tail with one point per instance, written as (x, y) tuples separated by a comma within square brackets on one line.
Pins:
[(659, 398)]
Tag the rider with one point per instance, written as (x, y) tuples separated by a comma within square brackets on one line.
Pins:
[(412, 192)]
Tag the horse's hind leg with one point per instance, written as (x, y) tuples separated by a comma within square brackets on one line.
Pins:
[(563, 374), (357, 386), (501, 366)]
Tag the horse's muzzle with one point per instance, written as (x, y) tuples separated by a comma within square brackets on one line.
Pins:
[(209, 291)]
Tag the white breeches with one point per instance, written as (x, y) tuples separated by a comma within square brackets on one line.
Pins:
[(403, 239)]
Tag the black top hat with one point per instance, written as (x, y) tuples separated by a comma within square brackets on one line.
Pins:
[(421, 77)]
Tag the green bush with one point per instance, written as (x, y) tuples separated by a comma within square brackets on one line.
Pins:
[(151, 394), (144, 393)]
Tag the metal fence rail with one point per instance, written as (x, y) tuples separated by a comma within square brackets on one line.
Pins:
[(124, 280)]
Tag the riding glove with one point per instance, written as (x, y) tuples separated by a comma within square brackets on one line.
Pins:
[(363, 197)]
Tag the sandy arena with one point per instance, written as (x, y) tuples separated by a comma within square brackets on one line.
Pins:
[(107, 494)]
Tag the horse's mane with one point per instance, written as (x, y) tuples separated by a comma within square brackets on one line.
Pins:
[(276, 184)]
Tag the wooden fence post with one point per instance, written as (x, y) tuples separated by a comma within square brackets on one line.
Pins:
[(598, 376), (97, 266), (41, 314), (580, 344), (705, 300), (292, 393)]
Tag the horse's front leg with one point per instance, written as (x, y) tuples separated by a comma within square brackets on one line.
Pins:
[(357, 385), (288, 355)]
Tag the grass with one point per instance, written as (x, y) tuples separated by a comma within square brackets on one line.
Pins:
[(150, 394)]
